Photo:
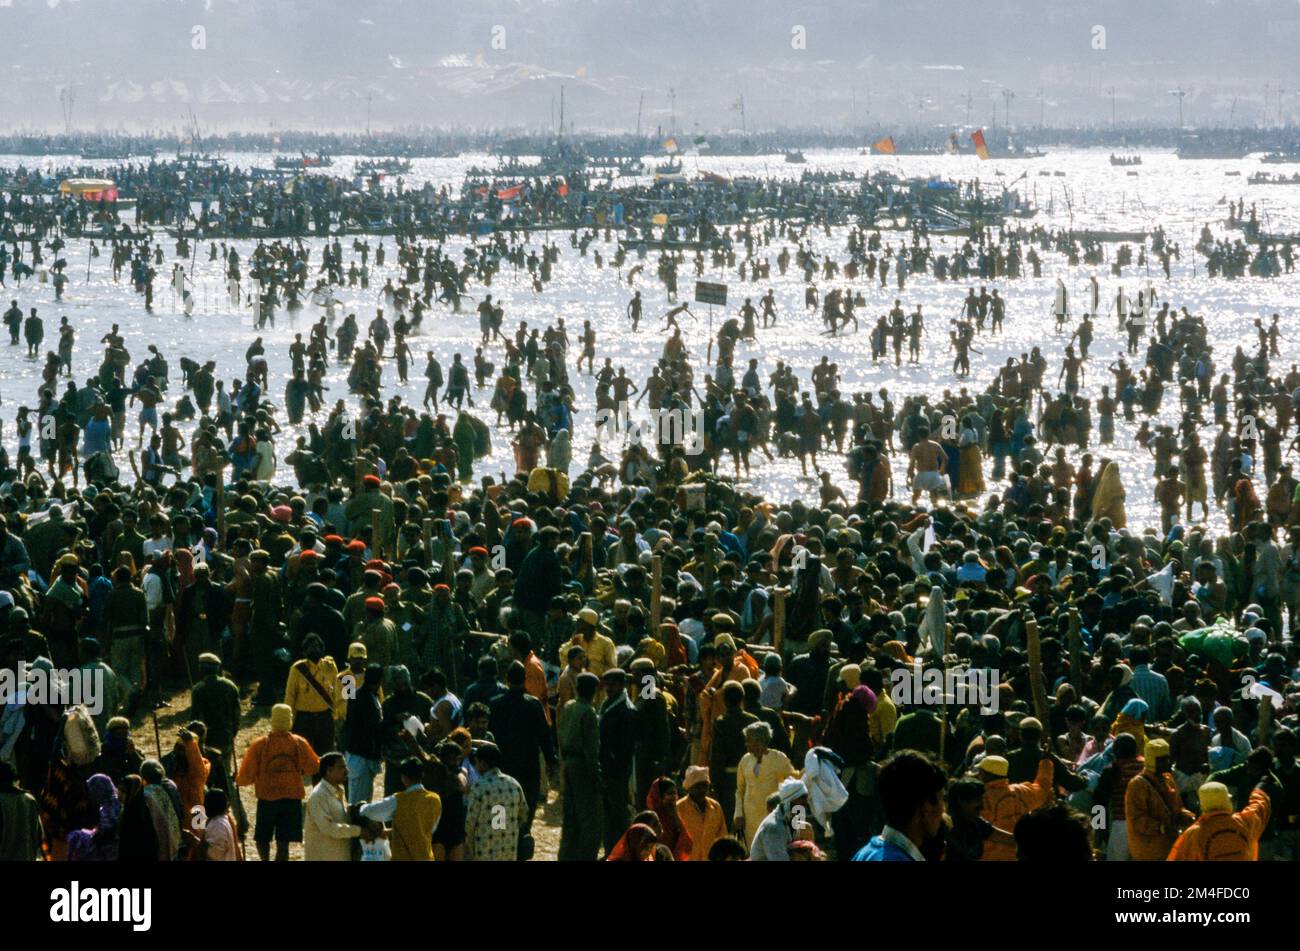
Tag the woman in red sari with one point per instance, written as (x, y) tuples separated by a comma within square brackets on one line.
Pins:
[(637, 845), (662, 800)]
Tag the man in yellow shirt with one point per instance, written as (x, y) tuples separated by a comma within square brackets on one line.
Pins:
[(600, 649), (883, 718), (700, 813), (312, 692)]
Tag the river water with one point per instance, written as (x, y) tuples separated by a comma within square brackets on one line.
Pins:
[(1080, 188)]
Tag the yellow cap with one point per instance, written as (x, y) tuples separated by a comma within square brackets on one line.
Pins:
[(994, 765)]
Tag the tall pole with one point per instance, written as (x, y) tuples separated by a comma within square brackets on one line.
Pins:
[(1111, 90), (1007, 96), (639, 106), (1180, 93), (672, 111), (369, 97)]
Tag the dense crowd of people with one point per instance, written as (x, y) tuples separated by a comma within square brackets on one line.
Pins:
[(395, 656)]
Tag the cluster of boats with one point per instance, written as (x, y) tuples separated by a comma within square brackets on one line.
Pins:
[(388, 166), (1263, 178)]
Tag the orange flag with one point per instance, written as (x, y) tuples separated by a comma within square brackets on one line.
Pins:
[(884, 146), (981, 147)]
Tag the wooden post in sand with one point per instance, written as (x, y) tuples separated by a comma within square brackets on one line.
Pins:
[(1035, 650), (778, 617), (656, 593), (585, 574), (219, 503)]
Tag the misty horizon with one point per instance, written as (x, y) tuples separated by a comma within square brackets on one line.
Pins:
[(682, 66)]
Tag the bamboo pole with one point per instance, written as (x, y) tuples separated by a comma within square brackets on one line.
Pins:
[(778, 617), (585, 563), (1036, 672), (656, 593)]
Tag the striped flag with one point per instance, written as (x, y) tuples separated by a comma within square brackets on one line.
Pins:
[(981, 147), (884, 146)]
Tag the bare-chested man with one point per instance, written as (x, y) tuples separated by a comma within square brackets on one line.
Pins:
[(926, 465)]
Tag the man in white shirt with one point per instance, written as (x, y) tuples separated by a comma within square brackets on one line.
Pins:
[(327, 833)]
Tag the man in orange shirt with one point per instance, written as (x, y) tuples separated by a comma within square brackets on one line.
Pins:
[(1221, 835), (275, 766), (1152, 807), (700, 813), (1005, 803)]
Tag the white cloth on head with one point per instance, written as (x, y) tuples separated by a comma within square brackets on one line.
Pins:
[(826, 794)]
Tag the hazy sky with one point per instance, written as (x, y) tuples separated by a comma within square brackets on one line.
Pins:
[(254, 64)]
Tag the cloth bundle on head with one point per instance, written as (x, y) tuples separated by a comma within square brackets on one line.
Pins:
[(1156, 749), (851, 675), (1214, 797), (790, 790), (589, 616), (695, 775), (724, 640), (821, 776), (281, 718), (818, 637), (994, 766), (374, 603), (1136, 708)]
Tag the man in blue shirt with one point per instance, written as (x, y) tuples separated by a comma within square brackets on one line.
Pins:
[(911, 788)]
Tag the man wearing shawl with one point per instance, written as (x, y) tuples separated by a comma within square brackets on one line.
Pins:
[(100, 843), (729, 669), (165, 810), (1154, 811)]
